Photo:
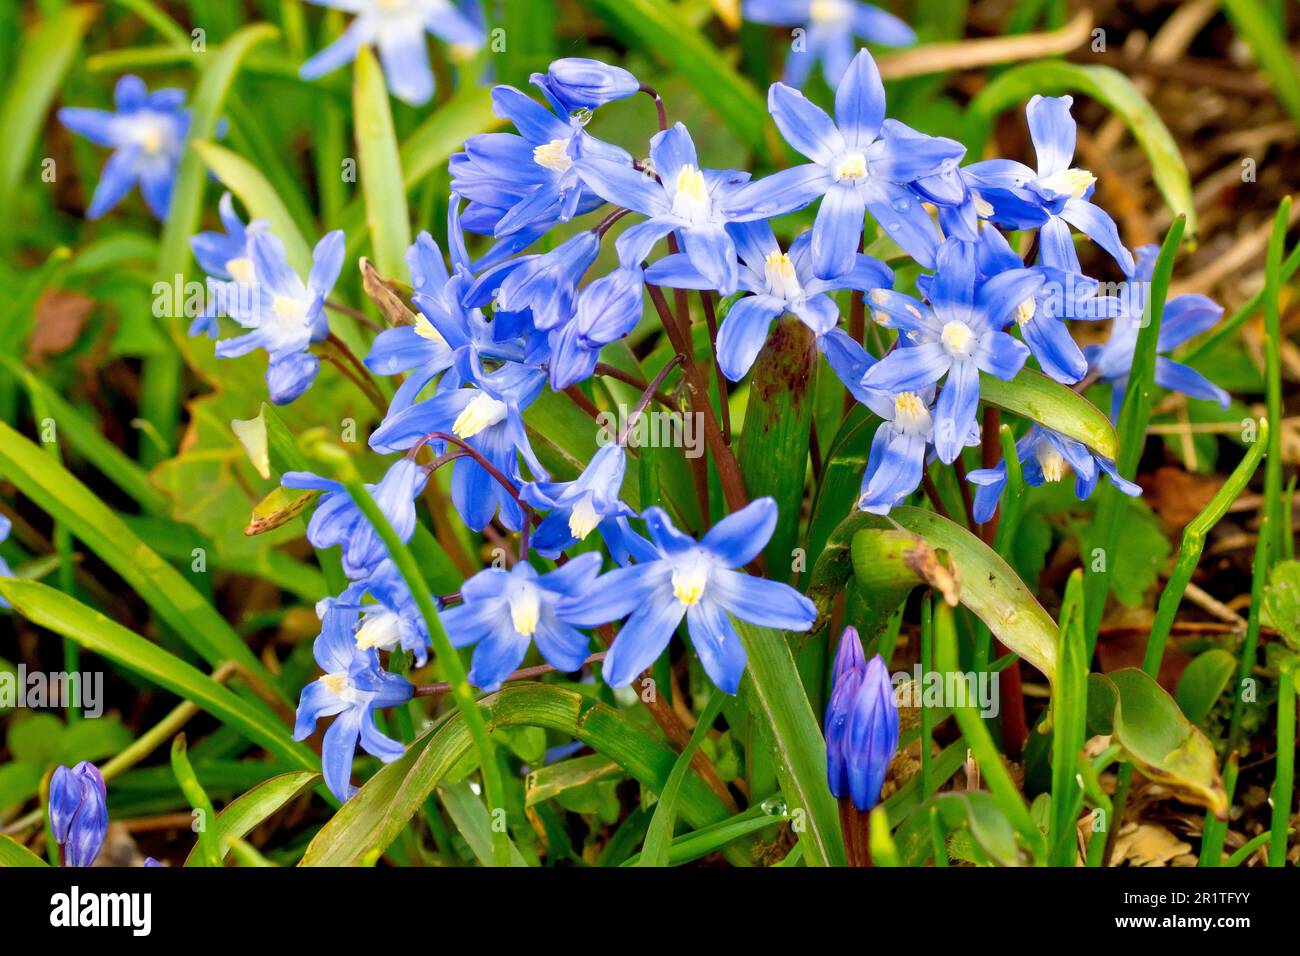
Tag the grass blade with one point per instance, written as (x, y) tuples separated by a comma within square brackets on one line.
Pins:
[(244, 813), (380, 169), (659, 837)]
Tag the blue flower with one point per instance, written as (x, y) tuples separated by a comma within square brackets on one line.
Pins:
[(503, 611), (677, 577), (5, 571), (1039, 318), (694, 203), (1046, 455), (393, 620), (608, 309), (958, 335), (1184, 317), (350, 690), (531, 178), (338, 520), (147, 134), (861, 725), (79, 812), (397, 30), (226, 257), (898, 450), (576, 83), (780, 282), (445, 328), (546, 284), (830, 30), (487, 415), (285, 315), (580, 506), (1054, 197), (860, 161)]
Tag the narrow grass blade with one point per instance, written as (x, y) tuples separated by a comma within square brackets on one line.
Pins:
[(1284, 772), (1069, 720), (380, 168), (209, 844), (659, 836), (244, 813)]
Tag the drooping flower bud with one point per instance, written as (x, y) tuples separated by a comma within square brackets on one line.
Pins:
[(575, 83), (79, 812)]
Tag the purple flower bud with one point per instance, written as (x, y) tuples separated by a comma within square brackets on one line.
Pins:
[(861, 725), (79, 812), (575, 83)]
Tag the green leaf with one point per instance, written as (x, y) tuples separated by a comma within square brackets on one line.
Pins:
[(1281, 606), (988, 586), (1109, 87), (1255, 23), (369, 822), (1033, 395), (244, 813), (1140, 554), (35, 739), (658, 838), (711, 839), (244, 180), (209, 847), (54, 489), (1202, 681), (205, 111), (46, 607), (380, 168), (12, 853), (472, 820), (429, 148), (46, 51), (556, 779), (773, 692), (1156, 737), (657, 27), (1069, 724), (978, 814), (774, 445)]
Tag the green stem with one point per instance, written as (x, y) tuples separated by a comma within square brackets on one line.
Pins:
[(452, 666), (1273, 374), (1284, 778)]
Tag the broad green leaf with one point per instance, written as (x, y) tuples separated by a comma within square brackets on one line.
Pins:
[(1281, 606), (774, 446), (12, 853), (471, 818), (244, 180), (774, 694), (369, 822), (987, 585), (46, 51), (380, 168), (1109, 87), (978, 814), (48, 608), (87, 440), (553, 780), (657, 27), (1156, 737), (208, 846), (244, 813), (1039, 398), (430, 146), (1202, 681), (205, 111), (659, 836), (54, 489)]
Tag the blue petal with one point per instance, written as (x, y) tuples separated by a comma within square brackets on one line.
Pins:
[(643, 638), (762, 602), (837, 230), (743, 332), (623, 186), (804, 125), (955, 410), (1002, 355), (782, 192), (909, 369), (337, 750), (1052, 129), (721, 653), (740, 537), (343, 50), (1180, 378), (860, 101), (1100, 228)]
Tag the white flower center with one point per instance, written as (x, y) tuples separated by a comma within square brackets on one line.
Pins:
[(1025, 311), (1072, 182), (1051, 461), (958, 339), (829, 11), (425, 330), (241, 270), (340, 685), (911, 417), (292, 312), (851, 167), (150, 132), (691, 198), (782, 281), (553, 155), (525, 609), (583, 519), (483, 411), (380, 628), (690, 579), (983, 208)]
